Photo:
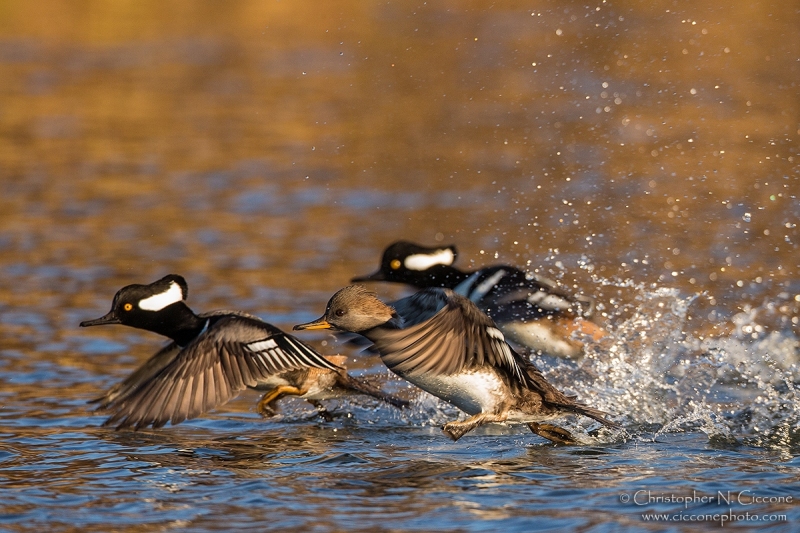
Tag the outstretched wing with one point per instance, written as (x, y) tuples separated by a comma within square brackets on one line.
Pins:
[(507, 293), (457, 337), (235, 352), (140, 376)]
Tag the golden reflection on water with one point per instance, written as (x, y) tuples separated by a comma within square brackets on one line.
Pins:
[(629, 131), (269, 151)]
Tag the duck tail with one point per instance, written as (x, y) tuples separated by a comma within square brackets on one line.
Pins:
[(595, 414), (551, 395)]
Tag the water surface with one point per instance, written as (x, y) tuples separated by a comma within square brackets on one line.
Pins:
[(644, 154)]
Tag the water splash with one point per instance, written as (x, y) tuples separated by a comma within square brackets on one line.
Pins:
[(658, 372), (663, 369)]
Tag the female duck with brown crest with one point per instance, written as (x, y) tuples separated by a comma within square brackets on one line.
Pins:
[(442, 343)]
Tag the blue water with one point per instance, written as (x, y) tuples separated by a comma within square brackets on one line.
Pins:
[(708, 441), (641, 153), (242, 473)]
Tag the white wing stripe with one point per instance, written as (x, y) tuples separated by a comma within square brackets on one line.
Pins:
[(495, 334), (261, 346), (486, 286), (282, 357), (548, 301), (302, 352), (282, 352), (499, 342)]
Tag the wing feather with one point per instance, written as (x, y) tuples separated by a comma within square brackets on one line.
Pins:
[(211, 389), (458, 336), (235, 352), (196, 398), (185, 401), (143, 374)]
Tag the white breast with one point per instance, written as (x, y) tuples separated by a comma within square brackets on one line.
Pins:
[(474, 392), (540, 336)]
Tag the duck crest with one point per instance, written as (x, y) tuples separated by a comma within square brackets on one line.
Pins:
[(424, 261), (172, 294)]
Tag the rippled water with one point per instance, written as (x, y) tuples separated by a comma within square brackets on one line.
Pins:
[(645, 154)]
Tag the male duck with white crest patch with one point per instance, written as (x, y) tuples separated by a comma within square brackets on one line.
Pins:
[(212, 357), (531, 311), (441, 342)]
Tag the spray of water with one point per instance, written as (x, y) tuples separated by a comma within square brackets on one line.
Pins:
[(658, 376), (658, 373)]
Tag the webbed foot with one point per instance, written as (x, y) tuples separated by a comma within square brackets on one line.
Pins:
[(553, 433), (266, 406), (456, 430)]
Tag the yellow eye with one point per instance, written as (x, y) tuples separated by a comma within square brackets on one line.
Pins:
[(395, 264), (127, 307)]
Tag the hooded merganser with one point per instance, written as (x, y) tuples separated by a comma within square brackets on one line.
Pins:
[(212, 357), (531, 311), (441, 342)]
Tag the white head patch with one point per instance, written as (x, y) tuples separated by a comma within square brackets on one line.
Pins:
[(425, 261), (159, 301)]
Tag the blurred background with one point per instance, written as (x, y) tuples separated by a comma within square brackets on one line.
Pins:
[(641, 152), (268, 149)]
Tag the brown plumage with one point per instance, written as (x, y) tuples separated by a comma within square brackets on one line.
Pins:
[(531, 311), (441, 342), (314, 384)]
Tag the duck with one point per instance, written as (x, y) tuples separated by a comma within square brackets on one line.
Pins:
[(444, 344), (211, 358), (315, 384), (533, 312)]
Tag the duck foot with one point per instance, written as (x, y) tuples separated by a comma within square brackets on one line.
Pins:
[(553, 433), (456, 430), (267, 405)]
